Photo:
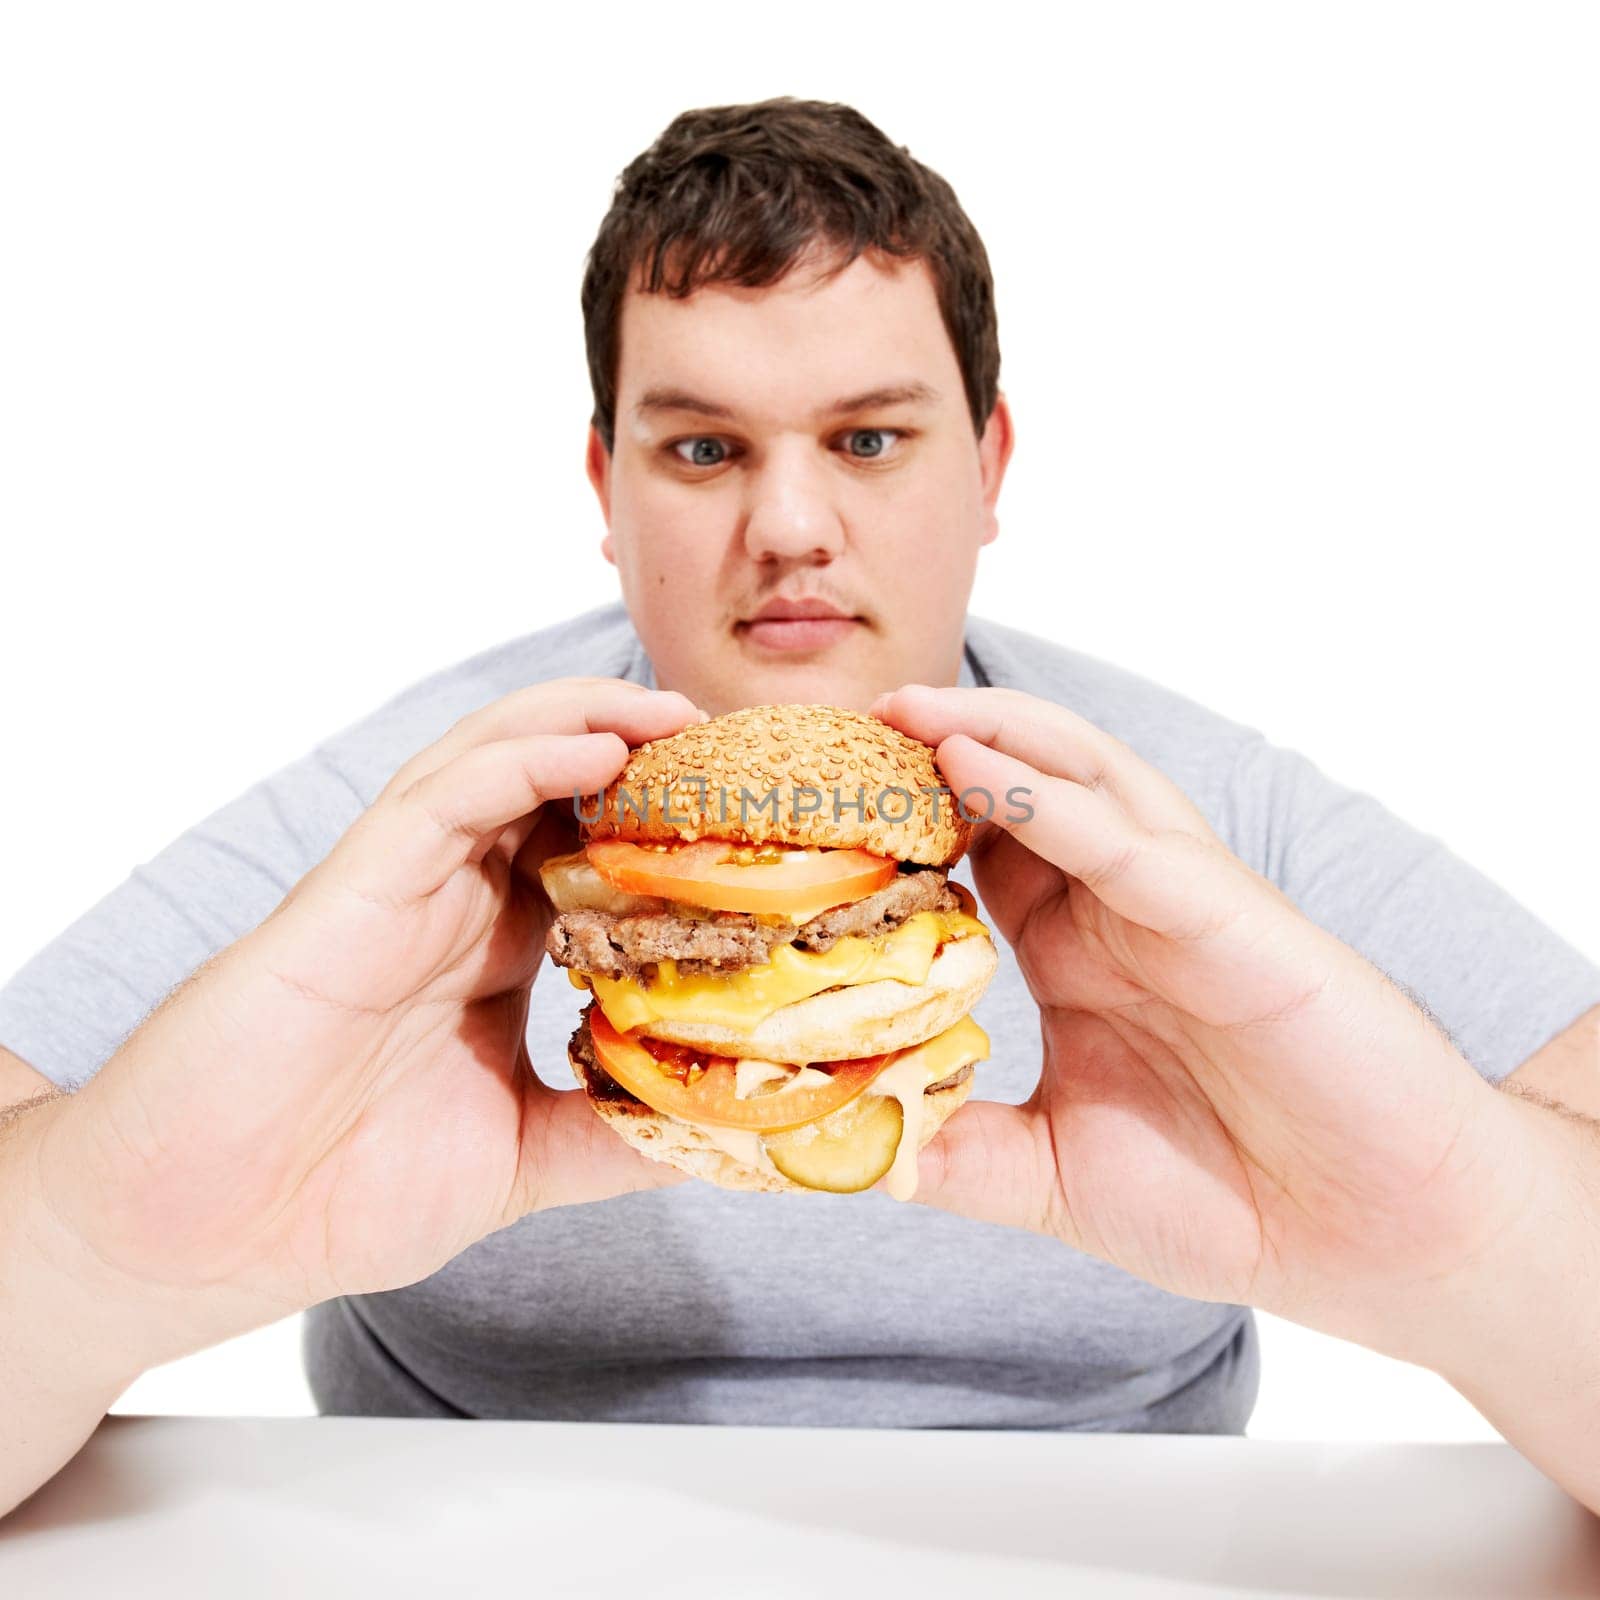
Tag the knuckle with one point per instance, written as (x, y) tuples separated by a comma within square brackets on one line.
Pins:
[(1116, 866), (440, 817), (1097, 775)]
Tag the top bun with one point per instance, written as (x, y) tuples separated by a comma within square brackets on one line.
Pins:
[(803, 754)]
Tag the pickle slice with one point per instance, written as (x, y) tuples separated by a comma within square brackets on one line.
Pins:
[(846, 1152)]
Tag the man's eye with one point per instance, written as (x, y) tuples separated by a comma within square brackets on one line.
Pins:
[(698, 456), (880, 449)]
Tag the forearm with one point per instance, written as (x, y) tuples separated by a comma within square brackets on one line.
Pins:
[(63, 1361), (1519, 1335), (73, 1332)]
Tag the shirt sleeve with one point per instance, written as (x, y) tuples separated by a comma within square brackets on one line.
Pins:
[(74, 1002), (1500, 982)]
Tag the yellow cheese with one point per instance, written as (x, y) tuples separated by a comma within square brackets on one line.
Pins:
[(742, 998), (906, 1079), (939, 1056)]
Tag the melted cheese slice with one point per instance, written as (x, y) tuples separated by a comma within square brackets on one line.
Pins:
[(745, 997), (908, 1077)]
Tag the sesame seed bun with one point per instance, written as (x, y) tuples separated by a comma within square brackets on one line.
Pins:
[(689, 786)]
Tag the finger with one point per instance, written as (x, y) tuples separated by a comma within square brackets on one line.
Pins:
[(563, 705), (1171, 882), (553, 833), (406, 845), (570, 1156), (1046, 736), (508, 841), (1011, 880), (994, 1163), (556, 827)]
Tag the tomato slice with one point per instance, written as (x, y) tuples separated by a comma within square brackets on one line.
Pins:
[(709, 1097), (722, 876)]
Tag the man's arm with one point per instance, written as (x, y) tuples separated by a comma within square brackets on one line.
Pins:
[(70, 1341), (1566, 1071), (73, 1334), (1321, 1139), (1518, 1333), (19, 1083), (225, 1167)]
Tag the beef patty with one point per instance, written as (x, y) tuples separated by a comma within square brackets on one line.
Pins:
[(628, 945)]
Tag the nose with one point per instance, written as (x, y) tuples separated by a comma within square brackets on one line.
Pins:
[(791, 512)]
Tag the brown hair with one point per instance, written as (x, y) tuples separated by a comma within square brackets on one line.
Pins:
[(737, 194)]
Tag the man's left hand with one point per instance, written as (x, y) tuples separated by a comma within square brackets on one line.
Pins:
[(1233, 1104)]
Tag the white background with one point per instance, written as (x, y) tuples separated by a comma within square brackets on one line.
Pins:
[(1299, 324)]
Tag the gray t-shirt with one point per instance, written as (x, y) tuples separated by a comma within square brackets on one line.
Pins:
[(694, 1304)]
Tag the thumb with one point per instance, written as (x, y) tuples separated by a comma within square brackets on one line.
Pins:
[(570, 1155), (994, 1163)]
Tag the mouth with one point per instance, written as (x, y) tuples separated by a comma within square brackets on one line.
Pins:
[(789, 627)]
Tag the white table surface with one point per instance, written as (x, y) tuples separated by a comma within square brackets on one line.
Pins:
[(182, 1507)]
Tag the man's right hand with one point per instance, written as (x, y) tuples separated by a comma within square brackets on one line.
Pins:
[(342, 1100)]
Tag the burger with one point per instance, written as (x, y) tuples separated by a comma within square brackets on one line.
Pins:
[(781, 971)]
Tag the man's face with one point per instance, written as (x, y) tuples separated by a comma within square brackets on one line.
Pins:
[(739, 487)]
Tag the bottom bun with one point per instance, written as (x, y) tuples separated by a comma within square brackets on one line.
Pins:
[(680, 1145)]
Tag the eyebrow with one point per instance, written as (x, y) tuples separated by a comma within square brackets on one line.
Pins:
[(913, 393)]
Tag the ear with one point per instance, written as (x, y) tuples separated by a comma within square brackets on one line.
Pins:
[(994, 452), (597, 465)]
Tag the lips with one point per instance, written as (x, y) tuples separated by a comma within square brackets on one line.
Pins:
[(796, 625)]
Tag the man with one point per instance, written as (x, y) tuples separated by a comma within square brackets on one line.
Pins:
[(1260, 996)]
